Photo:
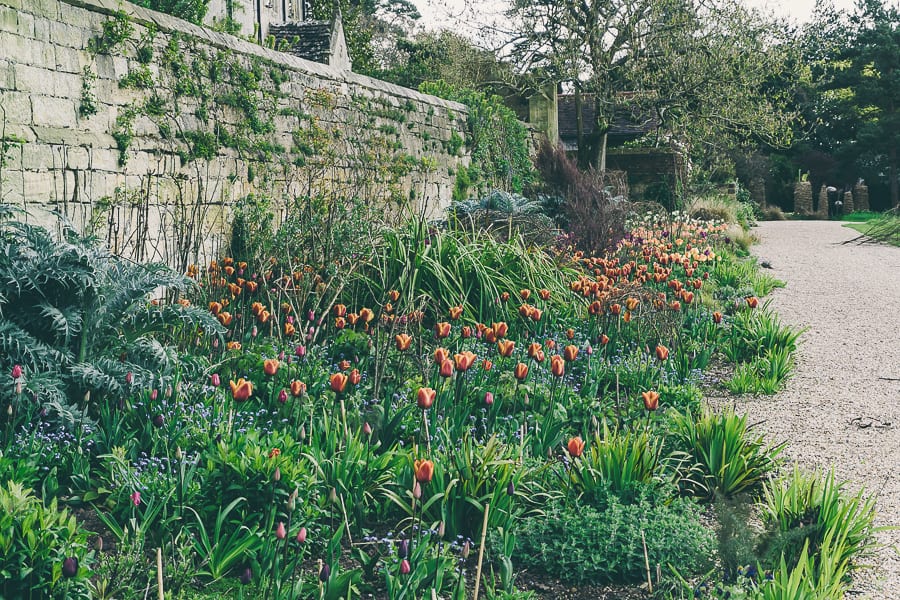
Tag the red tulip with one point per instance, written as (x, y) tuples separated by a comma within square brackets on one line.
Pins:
[(425, 397), (576, 446), (424, 470), (340, 310), (355, 377), (752, 301), (338, 382)]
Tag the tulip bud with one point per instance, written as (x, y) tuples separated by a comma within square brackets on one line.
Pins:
[(488, 398), (302, 433), (154, 394), (467, 547), (511, 489), (403, 549), (282, 396), (246, 576), (98, 545), (159, 421), (215, 380), (178, 453), (367, 429), (325, 573), (70, 567), (417, 490), (404, 567), (301, 535), (277, 475), (16, 371), (129, 378), (280, 531), (300, 351), (332, 496), (136, 498)]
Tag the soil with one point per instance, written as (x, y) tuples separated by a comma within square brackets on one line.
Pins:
[(841, 407)]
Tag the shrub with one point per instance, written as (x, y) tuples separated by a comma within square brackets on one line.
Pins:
[(36, 543), (78, 319), (732, 460), (595, 208), (581, 543)]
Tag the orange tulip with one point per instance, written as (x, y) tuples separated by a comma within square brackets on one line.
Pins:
[(340, 322), (446, 369), (241, 390), (487, 365), (440, 355), (521, 371), (402, 341), (233, 346), (615, 309), (632, 303), (575, 446), (394, 295), (525, 294), (570, 333), (466, 331), (289, 329), (270, 366), (225, 318), (464, 360), (544, 294), (344, 365), (355, 377), (717, 317), (506, 347), (688, 297), (604, 339), (352, 318), (251, 286), (338, 382), (366, 315), (500, 329), (596, 308), (525, 310), (489, 335), (215, 307), (675, 305), (340, 310), (570, 352), (752, 301), (533, 348), (298, 388), (424, 470), (539, 356), (425, 397), (651, 400), (557, 365), (662, 353), (263, 316), (442, 330), (627, 316), (504, 297), (455, 312), (536, 314)]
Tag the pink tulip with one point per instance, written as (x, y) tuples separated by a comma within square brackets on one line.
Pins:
[(280, 531), (136, 498), (301, 535)]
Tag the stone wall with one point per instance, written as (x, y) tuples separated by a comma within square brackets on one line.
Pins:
[(653, 174), (147, 139)]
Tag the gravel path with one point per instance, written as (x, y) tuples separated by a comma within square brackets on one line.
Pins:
[(848, 296)]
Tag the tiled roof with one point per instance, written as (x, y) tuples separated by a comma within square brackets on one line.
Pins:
[(307, 39), (628, 124)]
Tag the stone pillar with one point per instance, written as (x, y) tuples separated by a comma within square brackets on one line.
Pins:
[(543, 112), (861, 196), (848, 202), (823, 202), (803, 198)]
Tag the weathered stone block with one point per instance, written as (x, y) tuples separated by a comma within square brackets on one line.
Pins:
[(54, 112), (9, 20), (77, 158), (63, 34), (42, 29), (47, 82), (26, 24), (16, 106), (44, 8), (7, 75), (38, 186), (70, 60), (37, 157)]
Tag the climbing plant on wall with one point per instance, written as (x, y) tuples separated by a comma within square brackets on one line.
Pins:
[(496, 139)]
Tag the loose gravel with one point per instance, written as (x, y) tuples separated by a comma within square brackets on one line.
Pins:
[(840, 409)]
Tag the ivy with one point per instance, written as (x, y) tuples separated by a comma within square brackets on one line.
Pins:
[(115, 31), (88, 104), (497, 141)]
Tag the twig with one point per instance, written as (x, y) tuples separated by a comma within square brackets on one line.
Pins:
[(487, 508)]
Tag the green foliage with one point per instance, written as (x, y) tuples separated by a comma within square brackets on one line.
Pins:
[(88, 104), (35, 540), (759, 333), (810, 511), (763, 374), (78, 319), (583, 543), (115, 31), (497, 141), (189, 10), (731, 458)]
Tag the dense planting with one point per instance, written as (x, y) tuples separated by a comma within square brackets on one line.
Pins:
[(428, 420)]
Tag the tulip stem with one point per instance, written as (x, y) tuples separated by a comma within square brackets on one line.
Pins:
[(484, 526)]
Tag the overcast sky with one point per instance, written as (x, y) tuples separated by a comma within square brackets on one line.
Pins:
[(449, 13)]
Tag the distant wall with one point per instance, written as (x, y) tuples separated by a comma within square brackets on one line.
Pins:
[(147, 139), (653, 175)]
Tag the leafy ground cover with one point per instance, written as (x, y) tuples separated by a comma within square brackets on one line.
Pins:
[(447, 416)]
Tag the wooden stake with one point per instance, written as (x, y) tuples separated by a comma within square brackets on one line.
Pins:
[(427, 435), (487, 508), (159, 574), (647, 562)]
